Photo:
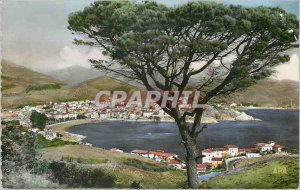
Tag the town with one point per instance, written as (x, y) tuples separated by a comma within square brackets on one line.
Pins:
[(214, 158), (66, 111)]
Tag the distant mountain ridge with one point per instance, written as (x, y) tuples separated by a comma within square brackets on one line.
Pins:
[(75, 75)]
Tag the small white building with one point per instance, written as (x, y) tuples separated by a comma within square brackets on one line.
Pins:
[(50, 135), (252, 155), (147, 114), (232, 150), (143, 153), (213, 153), (176, 164), (264, 146), (94, 115), (116, 150), (132, 116)]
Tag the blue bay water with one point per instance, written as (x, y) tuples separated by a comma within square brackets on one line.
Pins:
[(281, 126)]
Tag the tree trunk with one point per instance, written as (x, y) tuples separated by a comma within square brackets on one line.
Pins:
[(191, 164), (191, 155)]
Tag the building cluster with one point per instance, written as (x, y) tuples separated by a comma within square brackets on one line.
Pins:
[(59, 112), (161, 156), (214, 157)]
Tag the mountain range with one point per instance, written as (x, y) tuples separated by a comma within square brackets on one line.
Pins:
[(21, 86), (74, 75)]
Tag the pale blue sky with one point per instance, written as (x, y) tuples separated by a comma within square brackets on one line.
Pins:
[(35, 33)]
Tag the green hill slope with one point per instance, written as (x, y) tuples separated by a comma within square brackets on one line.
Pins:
[(268, 93), (271, 175), (23, 86), (16, 79)]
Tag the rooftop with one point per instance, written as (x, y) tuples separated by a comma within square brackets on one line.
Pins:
[(230, 146), (213, 150), (217, 159), (140, 151)]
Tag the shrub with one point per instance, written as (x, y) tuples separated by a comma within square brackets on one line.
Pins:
[(44, 143), (144, 165), (77, 177), (81, 116), (23, 179)]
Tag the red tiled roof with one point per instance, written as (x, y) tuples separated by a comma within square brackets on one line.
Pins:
[(279, 146), (247, 149), (213, 150), (230, 146), (217, 159), (162, 154), (201, 166), (173, 161), (260, 144), (140, 151)]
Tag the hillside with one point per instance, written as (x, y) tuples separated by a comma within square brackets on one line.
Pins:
[(83, 91), (74, 75), (23, 86), (126, 169), (269, 93), (270, 175), (16, 79)]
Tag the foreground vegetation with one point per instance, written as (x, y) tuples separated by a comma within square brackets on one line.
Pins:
[(31, 161), (271, 175), (126, 170)]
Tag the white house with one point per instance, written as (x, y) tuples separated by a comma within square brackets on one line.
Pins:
[(116, 150), (94, 115), (252, 155), (143, 153), (264, 146), (232, 150), (50, 135), (147, 114), (213, 153), (161, 156), (58, 116), (132, 116), (176, 164)]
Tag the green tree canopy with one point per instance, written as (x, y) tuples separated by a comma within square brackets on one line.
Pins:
[(38, 120)]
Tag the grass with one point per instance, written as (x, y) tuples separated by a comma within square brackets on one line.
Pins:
[(148, 166), (7, 78), (44, 143), (33, 104), (84, 160), (7, 87), (128, 170), (277, 175), (126, 177), (42, 87)]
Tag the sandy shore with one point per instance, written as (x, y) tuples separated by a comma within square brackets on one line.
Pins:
[(64, 126)]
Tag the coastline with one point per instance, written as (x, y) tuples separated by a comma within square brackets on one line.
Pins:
[(64, 126), (270, 108)]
